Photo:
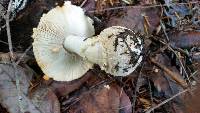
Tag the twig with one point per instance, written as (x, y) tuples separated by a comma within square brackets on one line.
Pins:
[(76, 98), (8, 30), (137, 89), (167, 100), (3, 26), (135, 94), (3, 42), (150, 92), (164, 30), (83, 3), (181, 65), (20, 59), (173, 75), (142, 7), (171, 48), (12, 56)]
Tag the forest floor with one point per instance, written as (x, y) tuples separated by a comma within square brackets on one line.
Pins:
[(167, 80)]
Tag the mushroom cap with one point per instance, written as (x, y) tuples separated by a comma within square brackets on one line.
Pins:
[(49, 36), (120, 50)]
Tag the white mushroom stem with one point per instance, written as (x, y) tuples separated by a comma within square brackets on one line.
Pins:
[(89, 49), (73, 44)]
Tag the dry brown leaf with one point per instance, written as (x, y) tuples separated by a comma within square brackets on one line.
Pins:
[(185, 39), (161, 79), (130, 18), (9, 94), (146, 103), (133, 18), (147, 2), (178, 108), (103, 4), (5, 58), (89, 5), (64, 88), (45, 96), (192, 102), (125, 103), (45, 100), (107, 99)]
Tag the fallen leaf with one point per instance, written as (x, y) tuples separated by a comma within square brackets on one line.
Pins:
[(169, 70), (178, 108), (176, 12), (185, 39), (89, 5), (146, 103), (130, 18), (97, 95), (192, 102), (103, 100), (103, 4), (64, 88), (45, 100), (9, 94), (162, 81), (125, 103), (133, 18)]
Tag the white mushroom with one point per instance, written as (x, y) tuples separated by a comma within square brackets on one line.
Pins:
[(49, 36), (65, 52), (117, 50)]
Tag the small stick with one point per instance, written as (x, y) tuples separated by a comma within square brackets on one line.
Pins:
[(8, 30), (164, 30), (3, 42), (167, 100), (170, 48), (142, 7), (83, 3), (136, 89), (19, 94), (181, 64), (173, 75), (23, 55), (150, 92)]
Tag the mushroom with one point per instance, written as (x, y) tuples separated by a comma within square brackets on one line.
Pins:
[(49, 36), (65, 49)]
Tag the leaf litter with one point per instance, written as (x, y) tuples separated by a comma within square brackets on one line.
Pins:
[(159, 85)]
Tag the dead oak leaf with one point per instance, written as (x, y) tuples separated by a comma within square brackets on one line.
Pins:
[(107, 99), (45, 100), (135, 18), (9, 94), (103, 4)]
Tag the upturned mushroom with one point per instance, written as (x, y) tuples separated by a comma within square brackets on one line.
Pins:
[(65, 49)]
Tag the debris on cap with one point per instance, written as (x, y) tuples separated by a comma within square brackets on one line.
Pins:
[(122, 50)]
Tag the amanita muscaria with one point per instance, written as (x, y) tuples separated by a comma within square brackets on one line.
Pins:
[(65, 48)]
